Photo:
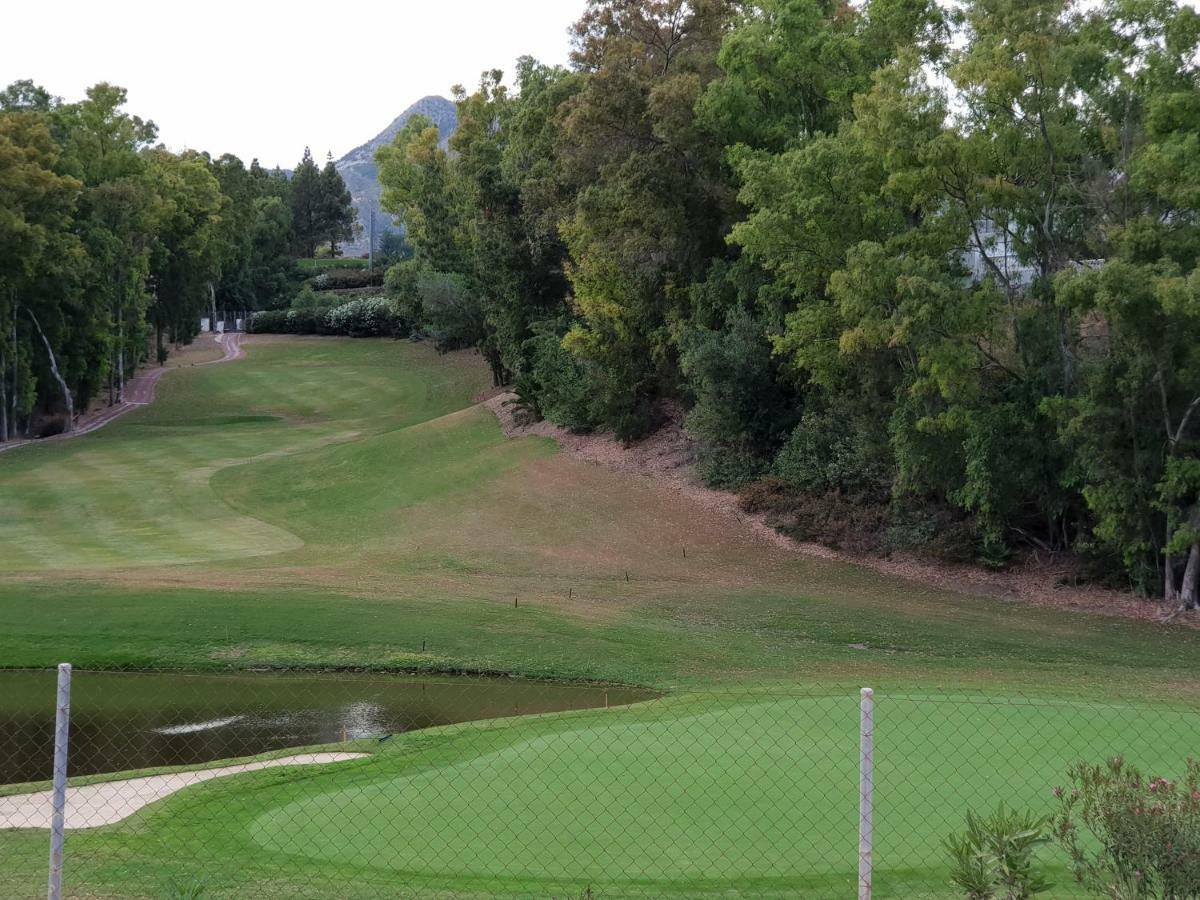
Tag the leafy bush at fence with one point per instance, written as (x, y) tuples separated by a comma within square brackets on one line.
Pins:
[(994, 858), (1129, 836)]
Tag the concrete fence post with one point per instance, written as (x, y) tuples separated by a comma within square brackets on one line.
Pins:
[(62, 725), (866, 792)]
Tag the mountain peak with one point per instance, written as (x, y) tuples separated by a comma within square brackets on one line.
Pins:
[(361, 175)]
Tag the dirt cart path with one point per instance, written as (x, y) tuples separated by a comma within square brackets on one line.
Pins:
[(139, 392)]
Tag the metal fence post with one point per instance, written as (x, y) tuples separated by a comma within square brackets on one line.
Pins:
[(62, 724), (866, 778)]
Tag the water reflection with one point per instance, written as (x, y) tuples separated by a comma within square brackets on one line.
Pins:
[(130, 721)]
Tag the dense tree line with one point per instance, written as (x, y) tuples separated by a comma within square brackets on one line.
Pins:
[(927, 271), (115, 247)]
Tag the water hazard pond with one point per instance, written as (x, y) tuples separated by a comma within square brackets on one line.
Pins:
[(125, 721)]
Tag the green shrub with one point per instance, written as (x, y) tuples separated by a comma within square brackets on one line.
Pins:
[(369, 317), (347, 279), (311, 266), (555, 384), (305, 321), (729, 469), (994, 858), (402, 282), (288, 321), (450, 310), (735, 380), (832, 452), (1129, 836), (307, 298), (267, 321), (935, 532)]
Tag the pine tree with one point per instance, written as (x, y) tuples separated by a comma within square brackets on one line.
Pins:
[(336, 214), (306, 205)]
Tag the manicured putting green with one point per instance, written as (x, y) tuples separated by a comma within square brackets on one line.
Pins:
[(701, 795), (689, 796)]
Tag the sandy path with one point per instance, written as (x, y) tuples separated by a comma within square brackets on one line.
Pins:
[(93, 805), (139, 392), (232, 344)]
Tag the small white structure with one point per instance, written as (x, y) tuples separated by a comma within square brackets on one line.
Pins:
[(205, 325), (998, 245)]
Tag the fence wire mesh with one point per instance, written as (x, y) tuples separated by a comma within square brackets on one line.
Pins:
[(374, 785)]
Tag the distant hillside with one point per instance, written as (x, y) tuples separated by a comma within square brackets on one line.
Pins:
[(361, 176)]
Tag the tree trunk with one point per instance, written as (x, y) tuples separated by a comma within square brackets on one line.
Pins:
[(62, 382), (1191, 578), (3, 397), (120, 354), (1170, 591), (12, 402)]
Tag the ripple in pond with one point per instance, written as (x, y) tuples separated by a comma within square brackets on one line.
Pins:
[(133, 721)]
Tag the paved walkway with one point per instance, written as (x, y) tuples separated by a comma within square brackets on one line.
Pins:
[(139, 392), (109, 802)]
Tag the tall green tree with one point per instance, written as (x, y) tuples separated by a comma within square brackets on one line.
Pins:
[(39, 270), (189, 248), (420, 187), (306, 203), (115, 220), (336, 214)]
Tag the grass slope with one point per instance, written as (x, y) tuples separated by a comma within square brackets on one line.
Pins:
[(328, 502)]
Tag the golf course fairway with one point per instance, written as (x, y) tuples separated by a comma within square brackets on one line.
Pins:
[(328, 503)]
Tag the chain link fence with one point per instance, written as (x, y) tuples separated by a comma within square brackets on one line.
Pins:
[(346, 785)]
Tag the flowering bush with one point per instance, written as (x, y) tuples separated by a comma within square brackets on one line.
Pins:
[(1129, 836), (369, 317)]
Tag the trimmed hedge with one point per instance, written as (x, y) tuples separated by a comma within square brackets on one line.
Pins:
[(309, 266)]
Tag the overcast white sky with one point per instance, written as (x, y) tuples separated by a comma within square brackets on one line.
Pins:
[(264, 78)]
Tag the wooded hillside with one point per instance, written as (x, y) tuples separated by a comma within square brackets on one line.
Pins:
[(774, 211), (114, 247)]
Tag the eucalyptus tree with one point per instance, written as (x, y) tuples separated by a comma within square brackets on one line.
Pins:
[(115, 220), (40, 267), (189, 248)]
